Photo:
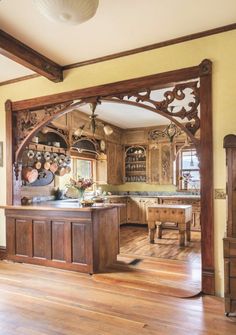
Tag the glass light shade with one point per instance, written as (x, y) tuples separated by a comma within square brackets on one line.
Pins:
[(67, 11), (107, 130)]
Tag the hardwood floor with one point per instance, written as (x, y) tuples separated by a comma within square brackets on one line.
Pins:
[(43, 301), (134, 240), (177, 272)]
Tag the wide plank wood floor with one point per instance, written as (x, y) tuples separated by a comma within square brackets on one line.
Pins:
[(43, 301), (139, 266), (134, 240)]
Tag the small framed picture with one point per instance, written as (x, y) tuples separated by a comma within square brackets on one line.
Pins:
[(1, 153)]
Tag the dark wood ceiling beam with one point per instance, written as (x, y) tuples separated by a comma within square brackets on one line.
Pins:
[(24, 55)]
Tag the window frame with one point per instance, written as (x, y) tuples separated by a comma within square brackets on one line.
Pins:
[(93, 161), (179, 169)]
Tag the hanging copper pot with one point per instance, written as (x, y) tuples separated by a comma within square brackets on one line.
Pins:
[(61, 171), (38, 165), (68, 169), (29, 174), (53, 167), (46, 165)]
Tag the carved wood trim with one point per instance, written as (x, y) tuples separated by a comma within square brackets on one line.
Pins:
[(230, 141), (160, 80), (133, 88), (206, 172), (9, 151), (19, 52)]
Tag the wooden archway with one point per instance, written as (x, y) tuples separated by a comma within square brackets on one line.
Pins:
[(20, 115)]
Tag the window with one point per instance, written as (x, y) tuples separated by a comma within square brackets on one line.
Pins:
[(83, 168), (189, 174)]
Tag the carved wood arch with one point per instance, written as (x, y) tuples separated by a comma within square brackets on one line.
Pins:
[(59, 104), (29, 123)]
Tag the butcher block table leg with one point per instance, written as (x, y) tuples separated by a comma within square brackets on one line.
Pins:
[(188, 231), (181, 234), (152, 230)]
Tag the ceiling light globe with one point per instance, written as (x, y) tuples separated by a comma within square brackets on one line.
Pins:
[(67, 11)]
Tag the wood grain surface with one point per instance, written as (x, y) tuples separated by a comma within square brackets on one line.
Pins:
[(44, 301)]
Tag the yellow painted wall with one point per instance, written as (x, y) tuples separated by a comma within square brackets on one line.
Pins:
[(220, 49)]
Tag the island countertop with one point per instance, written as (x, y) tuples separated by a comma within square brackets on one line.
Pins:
[(60, 205)]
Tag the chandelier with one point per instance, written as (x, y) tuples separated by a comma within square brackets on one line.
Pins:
[(67, 11), (94, 124)]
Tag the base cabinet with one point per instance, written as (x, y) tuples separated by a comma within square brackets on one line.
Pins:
[(84, 241), (137, 209), (230, 274)]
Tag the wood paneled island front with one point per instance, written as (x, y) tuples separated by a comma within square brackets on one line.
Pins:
[(63, 235)]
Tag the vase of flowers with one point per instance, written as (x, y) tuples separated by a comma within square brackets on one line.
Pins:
[(80, 184)]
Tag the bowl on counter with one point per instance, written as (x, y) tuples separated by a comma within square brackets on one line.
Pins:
[(87, 203)]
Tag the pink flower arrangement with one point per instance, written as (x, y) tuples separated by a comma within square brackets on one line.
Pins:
[(81, 184)]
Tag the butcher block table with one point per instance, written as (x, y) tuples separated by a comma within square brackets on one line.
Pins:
[(180, 214)]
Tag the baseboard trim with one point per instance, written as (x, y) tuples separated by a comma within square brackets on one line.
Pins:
[(3, 252)]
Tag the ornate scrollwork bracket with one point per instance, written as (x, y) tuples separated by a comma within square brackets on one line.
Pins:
[(17, 166)]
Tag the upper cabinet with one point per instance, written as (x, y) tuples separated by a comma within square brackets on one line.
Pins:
[(115, 166), (135, 164), (160, 163)]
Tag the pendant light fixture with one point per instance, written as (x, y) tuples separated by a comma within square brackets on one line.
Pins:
[(94, 124), (70, 12)]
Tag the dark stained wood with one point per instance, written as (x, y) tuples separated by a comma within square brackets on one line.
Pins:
[(3, 252), (206, 169), (206, 173), (39, 238), (39, 300), (230, 241), (230, 146), (9, 152), (23, 237), (159, 80), (230, 141), (58, 240), (134, 51), (153, 46), (79, 233), (26, 56), (80, 239), (230, 274)]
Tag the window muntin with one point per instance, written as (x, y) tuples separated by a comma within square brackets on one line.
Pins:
[(189, 173)]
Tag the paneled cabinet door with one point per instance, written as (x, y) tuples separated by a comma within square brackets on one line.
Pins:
[(115, 166), (134, 210), (160, 164), (101, 171)]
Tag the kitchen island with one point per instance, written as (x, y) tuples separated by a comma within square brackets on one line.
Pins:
[(63, 235)]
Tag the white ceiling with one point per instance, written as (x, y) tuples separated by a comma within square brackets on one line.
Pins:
[(117, 26)]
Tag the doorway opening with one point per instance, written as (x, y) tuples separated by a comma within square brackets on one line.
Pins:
[(135, 91)]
